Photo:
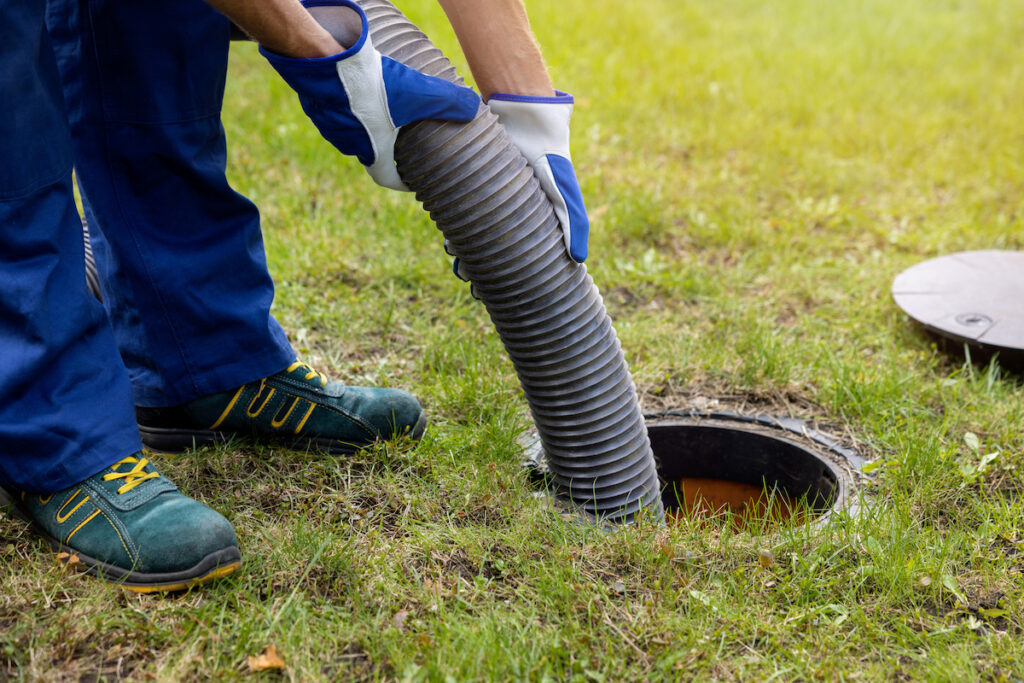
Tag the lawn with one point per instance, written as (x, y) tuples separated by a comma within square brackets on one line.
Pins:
[(757, 174)]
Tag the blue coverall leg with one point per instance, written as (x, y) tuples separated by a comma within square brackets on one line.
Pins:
[(65, 399), (179, 253)]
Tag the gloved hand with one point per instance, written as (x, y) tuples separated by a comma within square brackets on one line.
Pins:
[(539, 127), (359, 99), (459, 271)]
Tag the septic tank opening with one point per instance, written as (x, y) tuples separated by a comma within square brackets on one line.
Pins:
[(744, 472), (748, 467)]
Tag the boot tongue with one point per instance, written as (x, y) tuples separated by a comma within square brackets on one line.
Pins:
[(301, 372), (138, 469), (139, 488), (316, 382)]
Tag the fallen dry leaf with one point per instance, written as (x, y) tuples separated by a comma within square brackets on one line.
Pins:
[(267, 659), (69, 559), (399, 619)]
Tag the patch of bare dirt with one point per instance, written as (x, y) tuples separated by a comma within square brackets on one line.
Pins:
[(354, 664), (671, 397)]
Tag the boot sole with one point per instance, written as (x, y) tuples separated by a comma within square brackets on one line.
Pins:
[(217, 564), (176, 441)]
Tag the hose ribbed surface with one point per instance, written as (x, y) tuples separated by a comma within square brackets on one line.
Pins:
[(92, 279), (484, 198)]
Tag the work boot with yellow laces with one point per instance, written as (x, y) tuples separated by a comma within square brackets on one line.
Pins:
[(129, 525), (297, 408)]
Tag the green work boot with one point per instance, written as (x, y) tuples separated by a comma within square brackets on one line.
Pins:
[(129, 525), (297, 408)]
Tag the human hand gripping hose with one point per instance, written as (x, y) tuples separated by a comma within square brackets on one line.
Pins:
[(358, 99), (499, 222), (539, 127)]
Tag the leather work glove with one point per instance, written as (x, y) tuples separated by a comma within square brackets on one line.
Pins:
[(359, 99), (539, 127)]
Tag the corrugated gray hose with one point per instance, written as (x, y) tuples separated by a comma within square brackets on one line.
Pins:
[(547, 310), (92, 279), (483, 196)]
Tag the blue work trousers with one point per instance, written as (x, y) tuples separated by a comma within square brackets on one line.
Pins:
[(129, 92)]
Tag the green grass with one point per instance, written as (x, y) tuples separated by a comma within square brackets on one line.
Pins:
[(757, 174)]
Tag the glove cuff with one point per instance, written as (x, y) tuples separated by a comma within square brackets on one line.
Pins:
[(558, 98), (283, 63)]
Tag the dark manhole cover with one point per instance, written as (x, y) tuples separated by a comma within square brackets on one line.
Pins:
[(972, 297)]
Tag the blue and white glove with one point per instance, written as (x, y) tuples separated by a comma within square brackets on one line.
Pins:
[(539, 127), (359, 99)]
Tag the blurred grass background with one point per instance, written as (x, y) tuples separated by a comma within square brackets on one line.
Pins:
[(757, 174)]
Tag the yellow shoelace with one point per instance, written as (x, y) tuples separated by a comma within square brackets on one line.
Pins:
[(310, 374), (134, 476)]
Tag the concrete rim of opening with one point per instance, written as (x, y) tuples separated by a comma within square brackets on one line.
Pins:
[(842, 465)]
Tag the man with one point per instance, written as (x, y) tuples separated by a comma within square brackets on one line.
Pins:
[(130, 94)]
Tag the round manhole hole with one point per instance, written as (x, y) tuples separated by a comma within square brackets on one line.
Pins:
[(749, 468), (776, 470)]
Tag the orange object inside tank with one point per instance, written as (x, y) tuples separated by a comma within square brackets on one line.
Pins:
[(701, 498)]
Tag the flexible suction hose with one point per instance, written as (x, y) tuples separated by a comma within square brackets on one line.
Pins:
[(484, 198), (92, 278)]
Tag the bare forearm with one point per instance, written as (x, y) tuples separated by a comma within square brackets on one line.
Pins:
[(495, 36), (281, 26), (501, 50)]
